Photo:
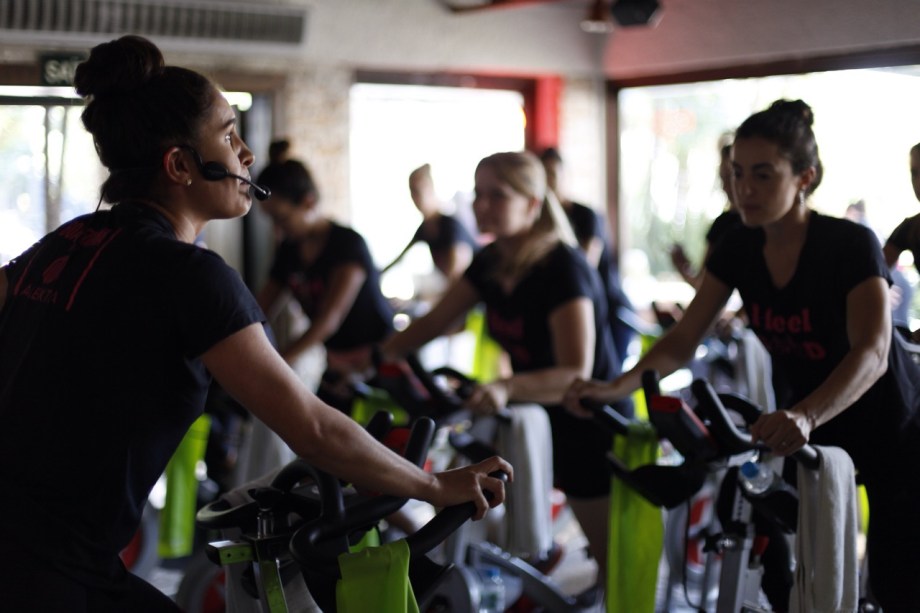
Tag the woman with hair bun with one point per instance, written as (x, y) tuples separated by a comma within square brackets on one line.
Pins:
[(328, 269), (111, 328), (815, 290)]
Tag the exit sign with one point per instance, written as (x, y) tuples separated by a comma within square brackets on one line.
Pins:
[(59, 68)]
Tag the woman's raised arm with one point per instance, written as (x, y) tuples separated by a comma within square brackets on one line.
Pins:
[(249, 368)]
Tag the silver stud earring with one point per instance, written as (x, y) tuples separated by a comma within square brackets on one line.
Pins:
[(188, 181)]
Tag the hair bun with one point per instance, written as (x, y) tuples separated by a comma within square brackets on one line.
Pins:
[(118, 66), (796, 108)]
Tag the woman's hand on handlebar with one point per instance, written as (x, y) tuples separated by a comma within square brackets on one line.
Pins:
[(784, 432), (469, 483), (488, 398), (602, 392)]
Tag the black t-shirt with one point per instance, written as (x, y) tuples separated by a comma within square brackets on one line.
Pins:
[(587, 224), (448, 232), (722, 225), (370, 319), (100, 377), (519, 322), (803, 326), (907, 236)]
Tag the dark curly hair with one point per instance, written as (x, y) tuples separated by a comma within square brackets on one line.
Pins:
[(137, 107), (289, 179), (788, 124)]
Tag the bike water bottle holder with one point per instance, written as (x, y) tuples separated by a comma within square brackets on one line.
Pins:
[(780, 505)]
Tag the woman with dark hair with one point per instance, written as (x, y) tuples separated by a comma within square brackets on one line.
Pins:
[(815, 290), (906, 237), (451, 245), (111, 328), (329, 271)]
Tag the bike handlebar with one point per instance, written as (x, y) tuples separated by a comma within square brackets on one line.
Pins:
[(729, 435), (220, 514), (610, 417), (306, 545)]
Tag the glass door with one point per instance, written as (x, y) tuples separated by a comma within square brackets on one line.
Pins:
[(49, 171)]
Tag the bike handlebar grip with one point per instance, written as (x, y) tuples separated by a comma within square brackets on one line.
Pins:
[(466, 383), (808, 457), (305, 544), (749, 411), (445, 522), (722, 425), (606, 414), (446, 402), (380, 424), (470, 447), (715, 411), (293, 472), (420, 439), (650, 383)]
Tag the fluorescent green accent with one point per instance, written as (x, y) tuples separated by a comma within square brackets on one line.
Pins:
[(376, 580), (487, 353), (636, 530), (233, 552), (363, 408), (177, 519), (271, 583), (863, 501), (638, 397), (371, 538)]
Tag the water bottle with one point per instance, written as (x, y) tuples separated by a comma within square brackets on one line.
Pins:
[(756, 478), (492, 592)]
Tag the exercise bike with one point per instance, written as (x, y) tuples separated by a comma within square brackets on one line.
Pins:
[(709, 441), (439, 393), (289, 534)]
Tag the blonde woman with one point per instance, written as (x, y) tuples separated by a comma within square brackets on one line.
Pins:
[(546, 307)]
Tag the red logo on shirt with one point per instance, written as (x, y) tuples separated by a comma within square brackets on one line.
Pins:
[(786, 334)]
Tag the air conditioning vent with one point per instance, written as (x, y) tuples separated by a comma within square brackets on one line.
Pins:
[(204, 21)]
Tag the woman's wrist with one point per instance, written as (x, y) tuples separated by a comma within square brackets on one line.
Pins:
[(810, 416), (508, 385)]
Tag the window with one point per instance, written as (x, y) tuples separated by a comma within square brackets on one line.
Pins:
[(397, 128), (669, 187), (49, 171)]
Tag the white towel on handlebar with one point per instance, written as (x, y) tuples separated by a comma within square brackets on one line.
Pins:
[(826, 574), (527, 443)]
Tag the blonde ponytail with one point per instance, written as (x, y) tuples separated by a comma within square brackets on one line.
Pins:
[(524, 172)]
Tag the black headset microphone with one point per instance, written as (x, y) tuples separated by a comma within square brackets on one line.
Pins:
[(215, 171)]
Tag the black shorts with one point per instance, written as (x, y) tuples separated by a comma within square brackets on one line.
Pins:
[(894, 543), (580, 448)]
